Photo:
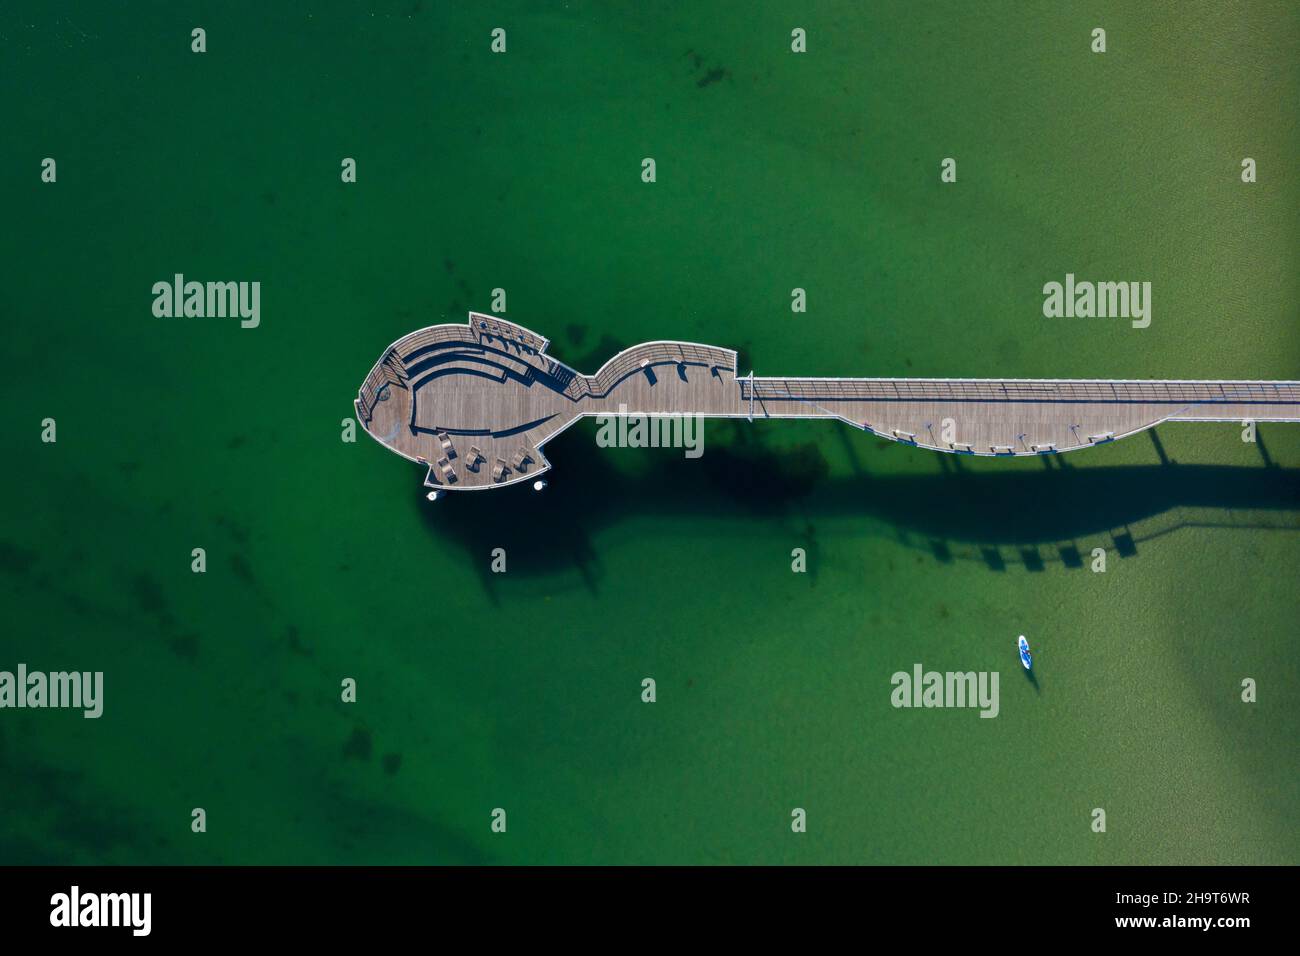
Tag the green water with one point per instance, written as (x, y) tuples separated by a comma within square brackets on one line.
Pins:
[(522, 690)]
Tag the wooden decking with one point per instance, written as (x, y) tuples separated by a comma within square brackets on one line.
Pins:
[(475, 403)]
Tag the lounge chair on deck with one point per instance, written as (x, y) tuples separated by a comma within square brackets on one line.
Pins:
[(521, 456), (499, 469), (448, 473), (448, 448), (475, 456)]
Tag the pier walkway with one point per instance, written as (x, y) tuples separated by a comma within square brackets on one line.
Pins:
[(475, 403)]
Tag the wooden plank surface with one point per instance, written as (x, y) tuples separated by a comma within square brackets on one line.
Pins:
[(489, 384)]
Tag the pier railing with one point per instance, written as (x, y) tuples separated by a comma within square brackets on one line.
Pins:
[(657, 353), (1022, 390)]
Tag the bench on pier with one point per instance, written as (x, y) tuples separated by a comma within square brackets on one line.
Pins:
[(447, 448)]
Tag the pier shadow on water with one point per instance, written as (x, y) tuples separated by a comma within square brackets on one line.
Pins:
[(1024, 517)]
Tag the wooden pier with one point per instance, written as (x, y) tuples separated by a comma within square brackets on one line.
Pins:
[(475, 403)]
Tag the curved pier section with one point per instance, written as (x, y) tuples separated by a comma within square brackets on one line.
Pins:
[(475, 403)]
